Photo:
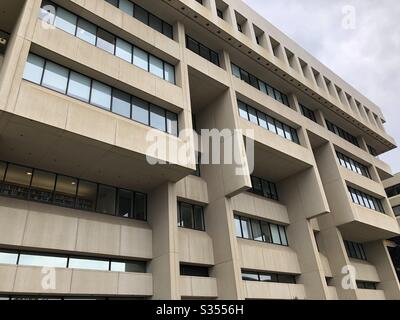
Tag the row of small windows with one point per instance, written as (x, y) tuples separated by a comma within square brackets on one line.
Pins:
[(268, 277), (70, 262), (393, 191), (194, 271), (55, 77), (264, 188), (102, 39), (353, 165), (366, 200), (144, 16), (308, 113), (342, 133), (265, 121), (260, 85), (191, 216), (262, 231), (202, 50), (56, 189), (355, 250)]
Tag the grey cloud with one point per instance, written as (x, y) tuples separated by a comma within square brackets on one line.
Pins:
[(367, 57)]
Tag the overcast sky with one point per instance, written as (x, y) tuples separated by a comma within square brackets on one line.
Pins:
[(365, 54)]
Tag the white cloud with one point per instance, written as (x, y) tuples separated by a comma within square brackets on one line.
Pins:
[(367, 57)]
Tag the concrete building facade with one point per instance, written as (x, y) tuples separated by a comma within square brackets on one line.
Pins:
[(83, 83)]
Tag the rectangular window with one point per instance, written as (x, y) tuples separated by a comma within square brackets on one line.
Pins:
[(169, 73), (42, 261), (66, 21), (42, 186), (140, 206), (140, 111), (124, 50), (125, 203), (17, 181), (79, 86), (65, 192), (34, 69), (268, 277), (126, 6), (135, 267), (141, 58), (87, 196), (366, 200), (238, 228), (88, 264), (101, 95), (106, 200), (246, 228), (141, 14), (308, 113), (121, 103), (8, 258), (202, 50), (157, 118), (86, 31), (191, 216), (155, 23), (105, 41), (342, 133), (172, 123), (276, 239), (264, 188), (353, 165), (396, 211), (55, 77), (355, 250), (156, 67), (194, 271)]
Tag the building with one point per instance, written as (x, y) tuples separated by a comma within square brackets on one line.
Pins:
[(82, 84), (392, 186)]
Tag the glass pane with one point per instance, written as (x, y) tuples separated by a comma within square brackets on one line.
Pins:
[(8, 258), (214, 58), (42, 186), (172, 123), (238, 229), (87, 194), (262, 119), (257, 186), (121, 103), (235, 71), (17, 181), (262, 86), (250, 276), (34, 69), (79, 86), (186, 215), (257, 235), (204, 52), (124, 50), (76, 263), (279, 128), (198, 218), (86, 31), (140, 206), (126, 6), (42, 261), (140, 58), (106, 200), (125, 203), (275, 234), (266, 278), (243, 110), (156, 67), (101, 95), (253, 115), (138, 267), (105, 41), (140, 110), (155, 23), (141, 14), (157, 118), (282, 233), (271, 124), (65, 21), (55, 77), (3, 167), (246, 228), (192, 45), (168, 30), (65, 191), (266, 233), (47, 13), (286, 278), (169, 73)]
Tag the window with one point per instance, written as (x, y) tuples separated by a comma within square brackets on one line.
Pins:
[(125, 203), (137, 266), (366, 200), (65, 193), (191, 216), (79, 86), (264, 188), (366, 285), (268, 277), (101, 95), (393, 191), (342, 133), (8, 258), (140, 206), (155, 23), (55, 77), (17, 181), (124, 50), (121, 103), (308, 113), (106, 200), (126, 6), (94, 35), (353, 165), (265, 121), (87, 196), (202, 50), (194, 271), (253, 229), (86, 31), (34, 69), (66, 21), (42, 186), (42, 261), (355, 250), (88, 264), (372, 151), (220, 14), (259, 85), (396, 211)]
